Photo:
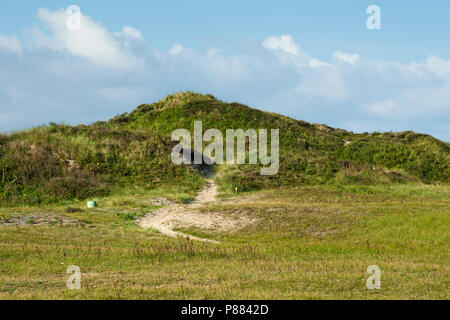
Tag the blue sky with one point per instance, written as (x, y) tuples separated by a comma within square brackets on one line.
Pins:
[(312, 60)]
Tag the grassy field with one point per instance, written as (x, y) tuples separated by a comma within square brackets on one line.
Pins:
[(308, 243)]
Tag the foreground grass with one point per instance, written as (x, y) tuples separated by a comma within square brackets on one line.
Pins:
[(308, 243)]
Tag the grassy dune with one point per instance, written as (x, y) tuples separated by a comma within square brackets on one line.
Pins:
[(58, 162)]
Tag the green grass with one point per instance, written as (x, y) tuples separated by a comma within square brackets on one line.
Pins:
[(308, 243), (309, 153), (57, 163), (333, 210)]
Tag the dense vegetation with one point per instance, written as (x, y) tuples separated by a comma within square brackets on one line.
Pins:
[(62, 162), (309, 154), (59, 162)]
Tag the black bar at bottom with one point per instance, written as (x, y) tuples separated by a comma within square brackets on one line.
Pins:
[(219, 309)]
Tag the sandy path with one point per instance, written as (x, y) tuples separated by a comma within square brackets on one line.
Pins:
[(175, 215)]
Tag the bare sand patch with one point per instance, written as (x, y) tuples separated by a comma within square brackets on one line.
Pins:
[(181, 216)]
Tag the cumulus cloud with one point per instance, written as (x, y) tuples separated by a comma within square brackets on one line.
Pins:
[(130, 33), (354, 93), (351, 59), (284, 43), (9, 44), (289, 52), (176, 49), (80, 76), (91, 41)]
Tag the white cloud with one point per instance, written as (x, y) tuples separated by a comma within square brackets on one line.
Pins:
[(340, 56), (9, 44), (315, 63), (130, 37), (92, 41), (289, 52), (284, 43), (438, 66), (176, 49), (323, 84), (130, 32)]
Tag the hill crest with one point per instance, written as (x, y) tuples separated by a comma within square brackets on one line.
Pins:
[(58, 162)]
